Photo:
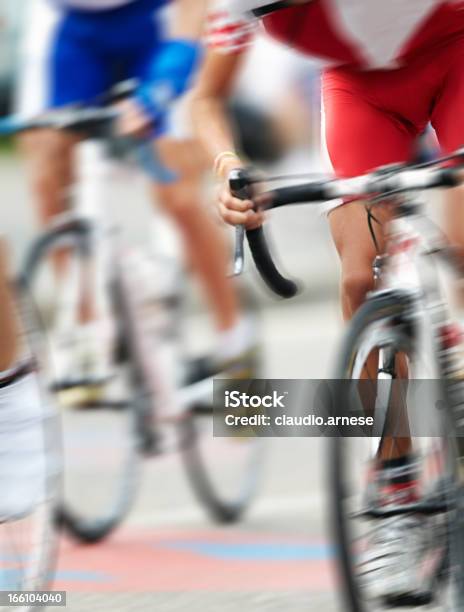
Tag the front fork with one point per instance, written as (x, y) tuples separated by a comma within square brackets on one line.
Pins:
[(377, 267)]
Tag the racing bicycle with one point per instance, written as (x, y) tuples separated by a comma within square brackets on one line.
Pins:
[(152, 398), (404, 320)]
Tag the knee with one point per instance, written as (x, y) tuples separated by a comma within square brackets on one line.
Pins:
[(43, 181), (49, 157), (4, 261), (181, 205), (355, 286)]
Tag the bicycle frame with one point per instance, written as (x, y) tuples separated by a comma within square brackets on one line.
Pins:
[(413, 244), (408, 268), (111, 259)]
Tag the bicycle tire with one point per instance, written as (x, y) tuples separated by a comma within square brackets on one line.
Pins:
[(389, 308), (219, 504), (91, 528), (198, 470)]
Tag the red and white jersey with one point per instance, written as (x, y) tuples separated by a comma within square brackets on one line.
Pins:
[(228, 30), (367, 34)]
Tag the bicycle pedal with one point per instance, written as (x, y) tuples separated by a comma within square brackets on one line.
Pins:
[(74, 383), (408, 600), (202, 409), (82, 397)]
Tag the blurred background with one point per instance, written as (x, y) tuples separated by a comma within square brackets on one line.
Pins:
[(168, 555)]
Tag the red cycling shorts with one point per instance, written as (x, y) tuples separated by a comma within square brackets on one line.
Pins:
[(373, 118)]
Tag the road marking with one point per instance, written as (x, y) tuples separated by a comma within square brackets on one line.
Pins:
[(252, 551)]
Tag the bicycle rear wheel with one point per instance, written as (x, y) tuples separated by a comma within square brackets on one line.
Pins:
[(102, 428), (381, 328), (224, 472)]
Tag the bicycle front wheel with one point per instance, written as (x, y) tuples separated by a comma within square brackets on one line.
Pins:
[(380, 338), (30, 492)]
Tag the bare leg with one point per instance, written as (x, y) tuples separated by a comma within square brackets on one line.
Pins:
[(454, 228), (9, 325), (49, 156), (356, 249), (203, 240)]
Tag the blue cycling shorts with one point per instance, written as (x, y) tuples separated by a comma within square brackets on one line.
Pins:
[(75, 56), (91, 51)]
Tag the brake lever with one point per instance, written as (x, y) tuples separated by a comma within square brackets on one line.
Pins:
[(239, 182), (239, 252)]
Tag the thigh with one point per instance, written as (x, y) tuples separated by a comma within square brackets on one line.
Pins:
[(352, 237), (78, 70), (357, 251), (185, 157), (133, 35), (49, 156), (358, 135)]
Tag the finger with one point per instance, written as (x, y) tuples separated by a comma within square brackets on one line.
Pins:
[(140, 118), (123, 125), (130, 127), (252, 225), (136, 118), (124, 105), (231, 217), (254, 219), (235, 203), (263, 199)]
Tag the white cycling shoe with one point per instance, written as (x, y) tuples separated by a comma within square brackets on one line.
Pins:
[(25, 460), (391, 568), (397, 567), (82, 362)]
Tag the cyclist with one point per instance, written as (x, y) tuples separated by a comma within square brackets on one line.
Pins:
[(84, 47), (391, 68), (24, 458)]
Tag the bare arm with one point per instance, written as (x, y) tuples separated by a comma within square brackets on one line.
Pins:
[(185, 25), (188, 19), (209, 99), (212, 125)]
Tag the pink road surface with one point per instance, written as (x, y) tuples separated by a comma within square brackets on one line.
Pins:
[(221, 560)]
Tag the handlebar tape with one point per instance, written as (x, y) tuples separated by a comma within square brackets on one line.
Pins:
[(299, 194), (239, 182), (279, 284)]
